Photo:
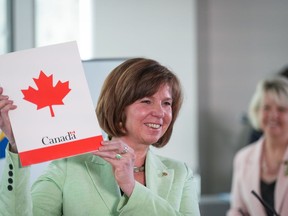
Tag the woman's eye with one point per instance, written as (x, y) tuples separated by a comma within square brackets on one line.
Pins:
[(168, 103), (282, 109), (266, 108), (146, 101)]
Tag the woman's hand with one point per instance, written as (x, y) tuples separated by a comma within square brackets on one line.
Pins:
[(5, 106), (122, 158)]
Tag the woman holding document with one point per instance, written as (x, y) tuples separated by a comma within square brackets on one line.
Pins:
[(137, 108), (260, 176)]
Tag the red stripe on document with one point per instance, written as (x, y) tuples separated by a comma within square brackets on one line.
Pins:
[(60, 151)]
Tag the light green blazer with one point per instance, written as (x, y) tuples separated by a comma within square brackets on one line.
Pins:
[(84, 185)]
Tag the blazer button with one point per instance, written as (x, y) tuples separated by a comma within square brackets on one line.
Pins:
[(10, 180), (10, 188)]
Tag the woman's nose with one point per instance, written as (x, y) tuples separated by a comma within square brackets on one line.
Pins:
[(273, 114), (158, 110)]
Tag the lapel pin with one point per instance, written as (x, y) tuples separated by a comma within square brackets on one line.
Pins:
[(164, 173), (286, 168)]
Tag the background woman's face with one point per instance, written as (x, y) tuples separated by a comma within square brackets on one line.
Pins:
[(273, 115), (148, 118)]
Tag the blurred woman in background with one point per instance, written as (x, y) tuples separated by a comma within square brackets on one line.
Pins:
[(262, 167)]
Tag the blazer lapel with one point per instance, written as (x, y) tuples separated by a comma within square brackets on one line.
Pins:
[(255, 167), (282, 184), (102, 176), (253, 177), (158, 177)]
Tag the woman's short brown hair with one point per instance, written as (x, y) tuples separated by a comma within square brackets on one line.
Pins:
[(130, 81)]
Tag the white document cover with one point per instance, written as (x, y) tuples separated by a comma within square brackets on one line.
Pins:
[(55, 116)]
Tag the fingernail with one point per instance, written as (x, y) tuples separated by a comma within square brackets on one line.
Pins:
[(104, 142)]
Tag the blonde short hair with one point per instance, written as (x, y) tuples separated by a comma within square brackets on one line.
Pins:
[(277, 86)]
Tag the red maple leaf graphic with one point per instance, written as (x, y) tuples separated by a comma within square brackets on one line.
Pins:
[(46, 95)]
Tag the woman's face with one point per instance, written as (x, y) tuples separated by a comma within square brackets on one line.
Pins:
[(147, 119), (273, 116)]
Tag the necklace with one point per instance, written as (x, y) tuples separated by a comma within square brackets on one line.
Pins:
[(270, 167), (139, 169)]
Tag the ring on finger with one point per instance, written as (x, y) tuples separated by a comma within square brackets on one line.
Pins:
[(118, 156), (125, 150)]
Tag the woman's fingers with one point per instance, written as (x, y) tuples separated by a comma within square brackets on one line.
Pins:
[(121, 157), (115, 151), (5, 106), (116, 146)]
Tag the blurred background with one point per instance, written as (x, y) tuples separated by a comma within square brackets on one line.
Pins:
[(219, 49)]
